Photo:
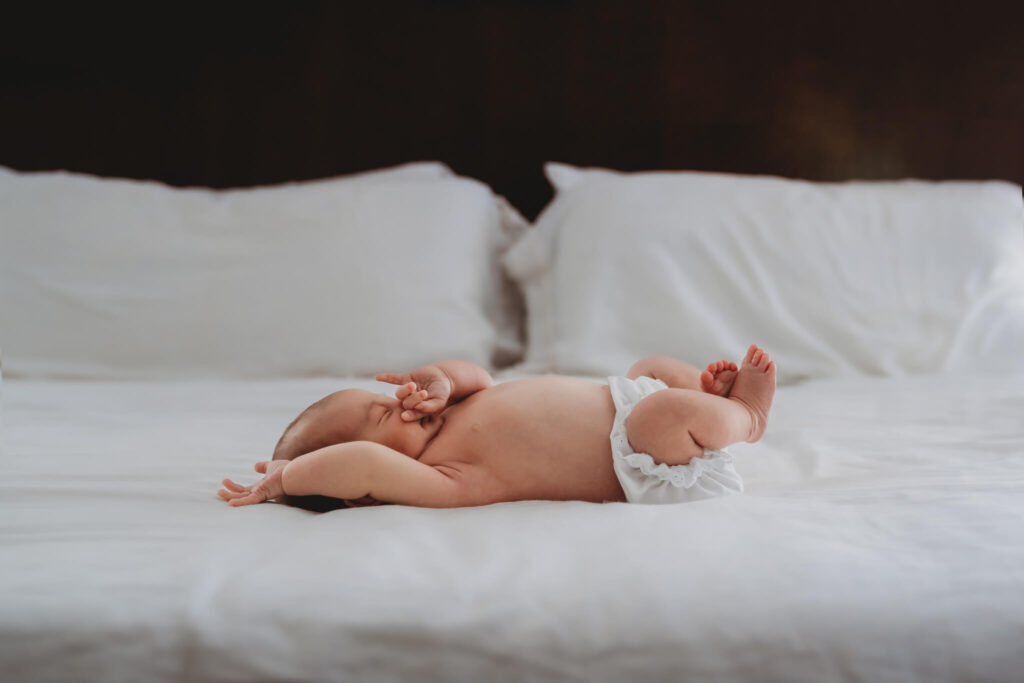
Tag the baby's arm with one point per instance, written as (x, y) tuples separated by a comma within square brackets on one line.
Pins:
[(354, 470), (432, 388)]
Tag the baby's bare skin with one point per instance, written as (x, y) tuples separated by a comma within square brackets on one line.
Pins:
[(450, 438), (544, 438)]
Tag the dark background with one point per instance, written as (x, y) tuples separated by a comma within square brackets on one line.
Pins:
[(233, 95)]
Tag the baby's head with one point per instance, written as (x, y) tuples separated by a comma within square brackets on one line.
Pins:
[(355, 415), (351, 415)]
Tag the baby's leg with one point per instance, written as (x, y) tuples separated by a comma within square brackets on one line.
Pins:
[(676, 425), (672, 372)]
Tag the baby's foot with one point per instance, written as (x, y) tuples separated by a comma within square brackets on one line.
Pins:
[(754, 387), (718, 378)]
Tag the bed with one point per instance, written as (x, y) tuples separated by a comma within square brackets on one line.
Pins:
[(880, 536)]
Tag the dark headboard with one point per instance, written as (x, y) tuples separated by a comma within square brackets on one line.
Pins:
[(239, 96)]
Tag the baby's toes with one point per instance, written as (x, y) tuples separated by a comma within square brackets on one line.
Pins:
[(749, 358)]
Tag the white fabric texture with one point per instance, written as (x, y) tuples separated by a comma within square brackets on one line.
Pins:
[(383, 271), (834, 279), (648, 482), (880, 538)]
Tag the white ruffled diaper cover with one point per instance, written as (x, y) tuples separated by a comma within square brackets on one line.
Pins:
[(645, 481)]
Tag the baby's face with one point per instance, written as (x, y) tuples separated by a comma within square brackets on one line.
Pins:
[(378, 418)]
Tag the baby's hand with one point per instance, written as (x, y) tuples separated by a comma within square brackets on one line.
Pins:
[(422, 392), (268, 488)]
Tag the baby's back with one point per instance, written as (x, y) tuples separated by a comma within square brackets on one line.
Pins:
[(539, 438)]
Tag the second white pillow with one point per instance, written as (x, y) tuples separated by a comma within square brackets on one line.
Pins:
[(832, 278)]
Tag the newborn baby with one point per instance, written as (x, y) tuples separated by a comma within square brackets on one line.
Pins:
[(449, 437)]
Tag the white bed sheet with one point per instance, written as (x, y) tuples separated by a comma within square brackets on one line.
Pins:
[(881, 537)]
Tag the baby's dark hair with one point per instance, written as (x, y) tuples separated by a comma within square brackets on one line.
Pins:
[(294, 443), (290, 446)]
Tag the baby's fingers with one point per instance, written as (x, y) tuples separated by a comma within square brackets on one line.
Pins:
[(255, 494), (413, 400), (250, 499), (392, 378), (236, 494), (431, 406), (405, 390), (229, 496)]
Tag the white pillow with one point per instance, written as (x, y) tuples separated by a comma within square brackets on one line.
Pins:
[(134, 279), (831, 278)]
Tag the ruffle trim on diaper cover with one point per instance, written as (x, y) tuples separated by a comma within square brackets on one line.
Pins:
[(685, 476), (710, 475)]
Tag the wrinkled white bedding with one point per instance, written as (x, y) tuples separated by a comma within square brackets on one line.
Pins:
[(881, 537)]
